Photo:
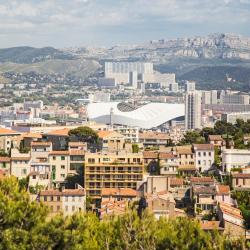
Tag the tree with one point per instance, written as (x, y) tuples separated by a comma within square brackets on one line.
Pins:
[(135, 148), (3, 153), (85, 134), (191, 137)]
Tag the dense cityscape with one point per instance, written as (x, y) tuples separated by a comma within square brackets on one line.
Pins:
[(143, 144)]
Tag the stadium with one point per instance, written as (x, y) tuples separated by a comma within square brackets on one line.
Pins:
[(151, 115)]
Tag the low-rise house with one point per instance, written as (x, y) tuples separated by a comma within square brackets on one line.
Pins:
[(234, 158), (204, 199), (241, 180), (151, 159), (60, 165), (210, 226), (223, 194), (20, 166), (185, 155), (112, 140), (5, 164), (216, 140), (40, 151), (202, 181), (204, 156), (67, 201), (8, 139), (111, 207), (168, 164), (162, 204), (27, 138), (231, 220), (117, 194), (154, 139)]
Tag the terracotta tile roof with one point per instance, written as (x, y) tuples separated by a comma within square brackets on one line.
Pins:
[(59, 153), (240, 175), (77, 152), (106, 133), (20, 158), (4, 159), (211, 225), (59, 132), (153, 135), (65, 192), (201, 180), (163, 155), (215, 138), (223, 189), (176, 182), (187, 167), (118, 192), (235, 212), (209, 147), (184, 150), (150, 155), (6, 131), (204, 190), (32, 135), (77, 144), (41, 144)]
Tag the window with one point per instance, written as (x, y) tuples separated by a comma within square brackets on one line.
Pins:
[(199, 162), (199, 153), (91, 160), (45, 198), (58, 198), (24, 171), (204, 154), (209, 153), (54, 158), (44, 149), (62, 166), (62, 158), (33, 176), (51, 198), (62, 175)]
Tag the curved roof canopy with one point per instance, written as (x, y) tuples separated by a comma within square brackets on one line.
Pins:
[(147, 116)]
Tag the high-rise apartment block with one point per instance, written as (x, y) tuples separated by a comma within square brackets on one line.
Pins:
[(121, 71), (193, 110), (112, 171), (190, 86)]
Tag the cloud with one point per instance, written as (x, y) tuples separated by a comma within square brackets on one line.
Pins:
[(94, 17)]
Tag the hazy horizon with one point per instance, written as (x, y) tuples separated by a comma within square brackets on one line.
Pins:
[(62, 23)]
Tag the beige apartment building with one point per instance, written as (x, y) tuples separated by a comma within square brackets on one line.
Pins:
[(112, 171)]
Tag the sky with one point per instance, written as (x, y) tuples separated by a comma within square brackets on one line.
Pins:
[(69, 23)]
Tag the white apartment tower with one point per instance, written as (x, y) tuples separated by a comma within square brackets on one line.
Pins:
[(193, 110), (190, 86), (120, 71)]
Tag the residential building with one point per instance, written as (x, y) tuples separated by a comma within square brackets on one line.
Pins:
[(231, 220), (168, 164), (8, 139), (67, 201), (117, 194), (234, 158), (20, 166), (241, 181), (190, 86), (5, 164), (216, 140), (233, 116), (192, 110), (112, 171), (154, 139), (40, 151), (204, 156)]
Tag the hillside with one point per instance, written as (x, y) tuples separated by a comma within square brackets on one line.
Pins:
[(78, 68), (31, 55), (219, 77)]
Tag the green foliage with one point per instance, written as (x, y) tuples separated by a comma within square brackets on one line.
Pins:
[(3, 153), (24, 225), (85, 134), (191, 137), (243, 200), (217, 153), (135, 148)]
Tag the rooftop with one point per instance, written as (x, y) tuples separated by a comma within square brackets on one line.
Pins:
[(203, 147), (59, 132), (223, 189), (6, 131), (153, 135), (4, 159), (202, 180), (118, 192)]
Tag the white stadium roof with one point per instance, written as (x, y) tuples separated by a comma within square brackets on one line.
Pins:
[(147, 116)]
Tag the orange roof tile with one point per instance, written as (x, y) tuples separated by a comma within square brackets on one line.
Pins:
[(215, 138), (118, 192), (6, 131), (201, 179), (240, 175), (150, 155), (210, 225), (59, 153), (223, 189), (176, 181), (32, 135), (77, 152), (59, 132), (155, 135), (20, 158), (164, 155), (4, 159), (204, 147), (41, 143), (235, 212)]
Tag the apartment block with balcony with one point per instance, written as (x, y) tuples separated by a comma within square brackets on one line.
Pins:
[(112, 171)]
